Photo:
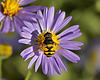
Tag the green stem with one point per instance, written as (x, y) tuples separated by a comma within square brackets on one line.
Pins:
[(29, 74), (0, 68)]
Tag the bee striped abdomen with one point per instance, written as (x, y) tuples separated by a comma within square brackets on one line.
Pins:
[(49, 45), (48, 52)]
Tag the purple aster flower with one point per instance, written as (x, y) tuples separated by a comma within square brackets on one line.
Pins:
[(91, 55), (46, 45), (12, 14)]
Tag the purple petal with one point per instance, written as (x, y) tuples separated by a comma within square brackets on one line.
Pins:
[(26, 53), (45, 16), (12, 29), (64, 23), (27, 16), (25, 29), (30, 31), (75, 43), (73, 54), (27, 41), (70, 29), (25, 56), (57, 15), (1, 16), (41, 21), (56, 65), (29, 56), (71, 36), (32, 36), (76, 31), (28, 50), (60, 63), (32, 61), (59, 21), (50, 17), (36, 26), (45, 12), (38, 62), (51, 70), (26, 35), (29, 25), (68, 55), (70, 47), (6, 25), (45, 64), (24, 2), (33, 8), (18, 24)]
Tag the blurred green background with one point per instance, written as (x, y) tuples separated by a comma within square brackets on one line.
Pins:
[(85, 13)]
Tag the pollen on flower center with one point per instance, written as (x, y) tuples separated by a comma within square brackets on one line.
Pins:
[(48, 42), (11, 7)]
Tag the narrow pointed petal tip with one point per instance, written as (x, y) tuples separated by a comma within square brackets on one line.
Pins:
[(56, 65), (60, 63), (70, 17), (20, 41), (26, 51), (59, 21), (29, 56), (38, 62), (51, 67), (69, 55), (32, 61), (50, 18), (82, 44)]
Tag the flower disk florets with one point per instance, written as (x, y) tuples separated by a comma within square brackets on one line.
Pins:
[(11, 7)]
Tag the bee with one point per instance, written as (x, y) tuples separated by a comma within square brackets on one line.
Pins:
[(48, 42)]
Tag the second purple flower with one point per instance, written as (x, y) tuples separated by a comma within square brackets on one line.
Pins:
[(12, 14)]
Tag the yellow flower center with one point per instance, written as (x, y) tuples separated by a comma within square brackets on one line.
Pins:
[(5, 50), (48, 42), (11, 7)]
